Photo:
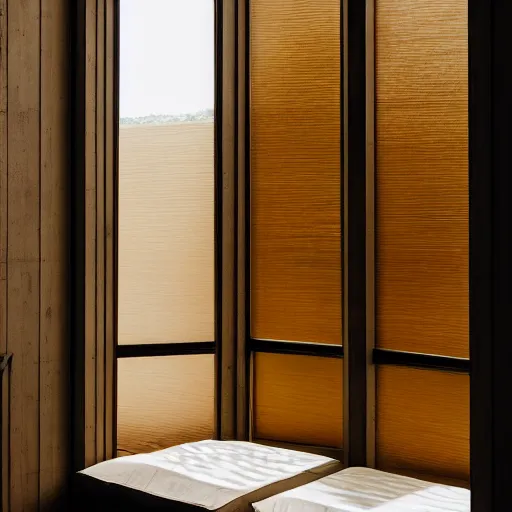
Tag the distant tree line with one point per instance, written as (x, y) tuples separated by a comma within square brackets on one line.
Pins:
[(202, 115)]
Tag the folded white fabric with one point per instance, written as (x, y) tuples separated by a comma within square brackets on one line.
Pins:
[(361, 489), (214, 475)]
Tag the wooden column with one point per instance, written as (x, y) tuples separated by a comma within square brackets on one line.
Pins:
[(490, 189), (226, 216), (93, 229)]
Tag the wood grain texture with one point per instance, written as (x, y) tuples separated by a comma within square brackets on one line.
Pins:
[(422, 176), (54, 372), (243, 277), (298, 399), (95, 147), (91, 283), (423, 422), (295, 170), (3, 176), (100, 231), (4, 468), (23, 272), (166, 230), (164, 401), (95, 353), (34, 255), (227, 183), (111, 175)]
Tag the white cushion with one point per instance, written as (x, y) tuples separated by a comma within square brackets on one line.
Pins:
[(360, 489), (213, 474)]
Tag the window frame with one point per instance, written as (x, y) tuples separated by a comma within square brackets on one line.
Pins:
[(222, 347), (94, 385)]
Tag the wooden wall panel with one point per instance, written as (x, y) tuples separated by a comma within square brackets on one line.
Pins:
[(164, 401), (54, 324), (422, 176), (298, 399), (423, 422), (23, 249), (34, 258), (295, 170), (94, 251)]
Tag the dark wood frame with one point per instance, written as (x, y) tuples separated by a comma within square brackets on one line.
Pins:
[(226, 196), (355, 254), (490, 184)]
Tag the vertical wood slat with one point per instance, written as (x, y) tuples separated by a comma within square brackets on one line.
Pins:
[(100, 231), (3, 175), (242, 406), (23, 273), (94, 221), (111, 114), (90, 232), (4, 449), (370, 234), (54, 357), (228, 363)]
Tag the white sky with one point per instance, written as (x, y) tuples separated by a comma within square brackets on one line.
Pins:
[(167, 57)]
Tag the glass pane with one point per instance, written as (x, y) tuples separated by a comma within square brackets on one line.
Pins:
[(166, 172), (164, 401), (422, 176), (298, 399), (295, 171), (423, 422)]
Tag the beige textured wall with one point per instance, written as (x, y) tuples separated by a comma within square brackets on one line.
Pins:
[(166, 233), (166, 282)]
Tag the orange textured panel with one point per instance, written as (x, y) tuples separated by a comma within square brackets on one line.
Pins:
[(422, 176), (164, 401), (166, 233), (298, 399), (295, 170), (423, 422)]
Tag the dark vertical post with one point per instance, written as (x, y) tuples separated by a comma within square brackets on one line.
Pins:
[(502, 251), (354, 233), (370, 233), (490, 163)]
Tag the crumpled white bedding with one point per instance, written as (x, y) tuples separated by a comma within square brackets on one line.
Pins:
[(364, 489), (209, 474)]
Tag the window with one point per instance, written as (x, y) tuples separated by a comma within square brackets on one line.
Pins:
[(405, 290), (166, 296), (295, 222), (422, 237), (400, 276)]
